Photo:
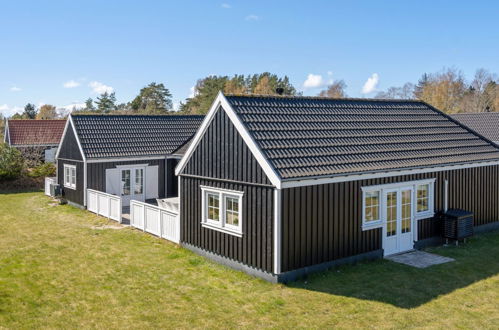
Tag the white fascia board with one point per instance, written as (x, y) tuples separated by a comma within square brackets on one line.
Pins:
[(221, 102), (124, 159), (367, 176)]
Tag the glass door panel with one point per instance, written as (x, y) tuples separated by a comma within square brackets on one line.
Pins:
[(391, 213)]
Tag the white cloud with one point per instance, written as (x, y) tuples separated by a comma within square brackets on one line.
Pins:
[(100, 88), (7, 111), (252, 18), (71, 84), (15, 89), (226, 6), (371, 84), (330, 73), (313, 81)]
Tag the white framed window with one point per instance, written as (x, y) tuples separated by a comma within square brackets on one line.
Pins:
[(70, 176), (374, 208), (222, 210)]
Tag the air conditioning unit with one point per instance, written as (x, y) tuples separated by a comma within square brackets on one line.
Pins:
[(55, 190)]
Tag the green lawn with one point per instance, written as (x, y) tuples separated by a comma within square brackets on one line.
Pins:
[(58, 269)]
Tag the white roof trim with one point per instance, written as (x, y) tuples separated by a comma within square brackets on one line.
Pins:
[(70, 122), (222, 102), (366, 176), (124, 159)]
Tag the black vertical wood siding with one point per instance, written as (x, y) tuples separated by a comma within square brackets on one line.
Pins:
[(324, 222), (171, 178), (69, 146), (96, 173), (255, 247), (75, 196), (222, 154)]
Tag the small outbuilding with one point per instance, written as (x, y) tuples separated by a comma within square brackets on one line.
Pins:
[(282, 186), (35, 138), (131, 156)]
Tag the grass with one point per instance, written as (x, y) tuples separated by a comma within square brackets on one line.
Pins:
[(60, 269)]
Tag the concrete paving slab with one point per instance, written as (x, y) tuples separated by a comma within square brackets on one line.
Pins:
[(419, 259)]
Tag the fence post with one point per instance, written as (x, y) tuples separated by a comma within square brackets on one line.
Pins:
[(144, 218), (160, 224)]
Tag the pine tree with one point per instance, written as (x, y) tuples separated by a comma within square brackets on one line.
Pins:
[(29, 111), (106, 102)]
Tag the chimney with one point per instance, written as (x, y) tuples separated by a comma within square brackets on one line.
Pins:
[(279, 90)]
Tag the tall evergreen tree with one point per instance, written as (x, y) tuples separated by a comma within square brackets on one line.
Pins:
[(154, 98), (106, 102), (29, 111)]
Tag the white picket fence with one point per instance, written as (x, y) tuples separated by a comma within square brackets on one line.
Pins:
[(155, 220), (104, 204), (48, 182)]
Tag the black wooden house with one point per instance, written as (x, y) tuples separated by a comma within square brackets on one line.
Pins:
[(280, 186), (130, 156)]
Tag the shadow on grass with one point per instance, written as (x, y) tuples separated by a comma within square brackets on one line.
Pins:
[(408, 287), (4, 191)]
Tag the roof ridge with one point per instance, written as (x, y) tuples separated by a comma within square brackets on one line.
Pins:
[(323, 98), (132, 115)]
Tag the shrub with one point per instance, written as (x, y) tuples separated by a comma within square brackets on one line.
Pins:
[(43, 170), (11, 163)]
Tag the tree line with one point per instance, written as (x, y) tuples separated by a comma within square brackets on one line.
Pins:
[(447, 90)]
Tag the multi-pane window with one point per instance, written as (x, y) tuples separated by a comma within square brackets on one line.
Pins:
[(232, 211), (70, 176), (213, 207), (416, 201), (372, 206), (222, 210), (423, 197)]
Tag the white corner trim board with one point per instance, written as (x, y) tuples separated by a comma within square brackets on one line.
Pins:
[(222, 103), (277, 231)]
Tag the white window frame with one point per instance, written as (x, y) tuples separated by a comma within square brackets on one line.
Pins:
[(68, 174), (367, 225), (221, 224)]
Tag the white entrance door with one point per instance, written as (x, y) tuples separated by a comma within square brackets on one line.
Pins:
[(132, 185), (398, 214)]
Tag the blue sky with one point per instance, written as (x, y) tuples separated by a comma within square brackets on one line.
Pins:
[(62, 52)]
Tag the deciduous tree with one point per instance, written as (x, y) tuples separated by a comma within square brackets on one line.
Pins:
[(335, 90), (47, 111)]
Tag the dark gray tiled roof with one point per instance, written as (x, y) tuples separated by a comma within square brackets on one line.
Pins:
[(312, 137), (484, 123), (107, 136)]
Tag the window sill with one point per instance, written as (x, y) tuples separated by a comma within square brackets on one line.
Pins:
[(70, 187), (373, 225), (425, 215), (223, 230)]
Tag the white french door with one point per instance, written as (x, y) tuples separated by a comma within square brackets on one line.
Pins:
[(399, 219), (132, 185)]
